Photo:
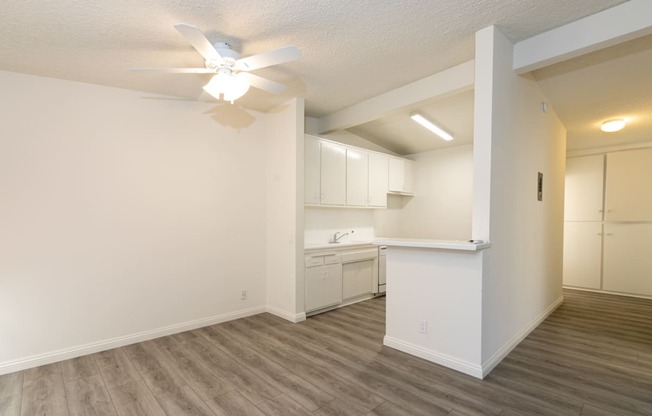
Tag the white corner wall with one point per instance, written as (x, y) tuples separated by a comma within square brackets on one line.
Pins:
[(123, 218), (443, 189), (513, 141), (442, 207), (284, 217)]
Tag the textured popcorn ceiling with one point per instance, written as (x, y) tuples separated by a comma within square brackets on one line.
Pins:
[(352, 50)]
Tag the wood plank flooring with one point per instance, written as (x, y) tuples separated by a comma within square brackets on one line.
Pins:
[(591, 357)]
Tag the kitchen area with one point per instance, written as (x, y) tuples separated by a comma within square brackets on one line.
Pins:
[(378, 224), (354, 196)]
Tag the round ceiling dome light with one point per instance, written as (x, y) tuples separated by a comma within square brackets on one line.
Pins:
[(611, 126)]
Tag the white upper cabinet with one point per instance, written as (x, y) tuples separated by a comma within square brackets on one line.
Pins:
[(345, 176), (312, 167), (584, 183), (333, 174), (401, 175), (357, 177), (629, 186), (378, 180)]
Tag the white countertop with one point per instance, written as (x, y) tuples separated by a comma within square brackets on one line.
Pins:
[(335, 246), (434, 244)]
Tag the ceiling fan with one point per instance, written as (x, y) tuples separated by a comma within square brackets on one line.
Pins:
[(232, 78)]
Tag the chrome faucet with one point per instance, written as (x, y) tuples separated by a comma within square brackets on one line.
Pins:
[(336, 238)]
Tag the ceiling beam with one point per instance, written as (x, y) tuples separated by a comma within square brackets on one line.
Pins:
[(618, 24), (450, 81)]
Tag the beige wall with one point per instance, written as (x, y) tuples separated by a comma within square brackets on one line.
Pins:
[(123, 217)]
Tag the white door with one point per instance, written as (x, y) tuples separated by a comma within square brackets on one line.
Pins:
[(333, 174), (582, 254), (323, 286), (584, 185), (396, 174), (312, 170), (629, 186), (628, 258), (356, 177), (378, 180), (357, 278)]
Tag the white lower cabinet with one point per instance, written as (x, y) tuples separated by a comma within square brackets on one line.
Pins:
[(627, 258), (357, 279), (323, 286), (582, 254), (337, 275)]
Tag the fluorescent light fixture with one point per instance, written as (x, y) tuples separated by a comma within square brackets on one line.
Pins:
[(610, 126), (431, 126), (230, 86)]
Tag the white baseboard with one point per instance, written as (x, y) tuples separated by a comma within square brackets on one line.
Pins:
[(77, 351), (503, 351), (608, 292), (462, 366), (288, 316)]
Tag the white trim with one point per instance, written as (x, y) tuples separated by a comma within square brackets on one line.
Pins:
[(288, 316), (607, 149), (77, 351), (462, 366), (503, 351), (608, 292)]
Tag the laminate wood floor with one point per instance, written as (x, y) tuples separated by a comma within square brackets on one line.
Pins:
[(591, 357)]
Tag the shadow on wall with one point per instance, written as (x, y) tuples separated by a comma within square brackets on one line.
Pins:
[(231, 116)]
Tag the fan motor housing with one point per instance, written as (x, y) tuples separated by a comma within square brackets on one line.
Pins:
[(228, 54)]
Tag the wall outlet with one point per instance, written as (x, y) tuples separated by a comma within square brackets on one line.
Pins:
[(423, 327), (243, 296)]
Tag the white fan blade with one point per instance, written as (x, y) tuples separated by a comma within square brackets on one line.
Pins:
[(264, 83), (199, 42), (273, 57), (176, 70)]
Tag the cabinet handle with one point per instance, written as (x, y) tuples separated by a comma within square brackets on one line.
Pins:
[(600, 210), (609, 234), (599, 233)]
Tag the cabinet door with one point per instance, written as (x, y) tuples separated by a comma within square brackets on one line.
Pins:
[(401, 175), (356, 177), (396, 174), (408, 176), (312, 170), (629, 186), (323, 286), (583, 254), (627, 258), (378, 180), (584, 184), (357, 279), (333, 174)]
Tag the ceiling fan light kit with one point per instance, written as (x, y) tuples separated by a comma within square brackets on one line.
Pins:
[(232, 78), (231, 86)]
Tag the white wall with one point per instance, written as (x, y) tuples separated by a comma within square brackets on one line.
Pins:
[(122, 216), (321, 223), (285, 283), (443, 201), (513, 141)]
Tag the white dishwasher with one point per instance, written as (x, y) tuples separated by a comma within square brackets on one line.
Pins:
[(382, 269)]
